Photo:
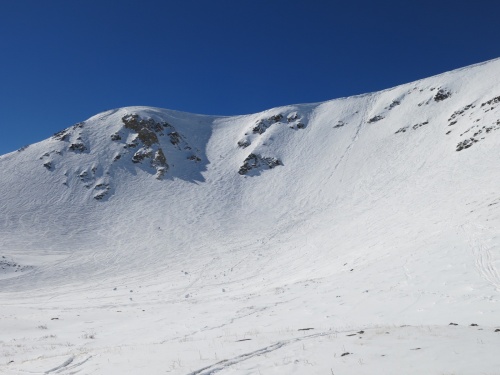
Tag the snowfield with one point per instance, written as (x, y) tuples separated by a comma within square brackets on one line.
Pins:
[(356, 236)]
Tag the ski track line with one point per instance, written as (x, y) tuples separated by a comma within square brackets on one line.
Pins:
[(61, 366), (346, 152), (199, 276), (226, 363), (67, 365), (485, 265), (253, 312), (483, 259)]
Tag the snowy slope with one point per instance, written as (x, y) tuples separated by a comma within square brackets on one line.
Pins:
[(153, 241)]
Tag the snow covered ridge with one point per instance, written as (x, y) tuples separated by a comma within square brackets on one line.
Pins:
[(132, 138)]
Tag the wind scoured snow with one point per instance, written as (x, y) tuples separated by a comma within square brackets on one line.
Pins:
[(371, 247)]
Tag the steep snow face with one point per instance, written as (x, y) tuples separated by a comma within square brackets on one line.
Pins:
[(178, 233)]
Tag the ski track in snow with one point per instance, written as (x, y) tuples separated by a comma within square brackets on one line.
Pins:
[(61, 367), (483, 257), (362, 122), (227, 363), (70, 366)]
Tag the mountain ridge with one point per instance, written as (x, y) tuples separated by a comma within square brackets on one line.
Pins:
[(372, 213)]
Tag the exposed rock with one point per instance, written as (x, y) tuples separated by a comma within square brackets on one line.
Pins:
[(466, 144), (459, 112), (260, 127), (375, 119), (77, 147), (146, 129), (292, 117), (62, 135), (160, 172), (263, 124), (160, 159), (416, 126), (394, 103), (491, 102), (175, 138), (254, 161), (276, 118), (10, 265), (295, 120), (83, 176), (142, 154), (441, 95), (101, 195), (244, 143), (132, 144), (160, 163), (147, 138)]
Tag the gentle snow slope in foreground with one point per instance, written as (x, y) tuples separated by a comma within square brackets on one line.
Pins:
[(342, 237)]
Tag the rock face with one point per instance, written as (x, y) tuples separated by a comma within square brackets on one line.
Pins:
[(257, 163), (441, 95), (481, 119), (133, 140), (291, 119), (146, 137), (375, 119)]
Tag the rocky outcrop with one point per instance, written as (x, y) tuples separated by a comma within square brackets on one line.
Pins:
[(293, 119), (147, 134), (441, 95), (375, 119), (258, 162)]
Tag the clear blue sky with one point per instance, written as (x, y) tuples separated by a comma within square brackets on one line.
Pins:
[(66, 60)]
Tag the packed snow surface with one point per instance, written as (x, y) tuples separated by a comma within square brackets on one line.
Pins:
[(355, 236)]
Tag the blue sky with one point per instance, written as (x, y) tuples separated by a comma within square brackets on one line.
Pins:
[(64, 61)]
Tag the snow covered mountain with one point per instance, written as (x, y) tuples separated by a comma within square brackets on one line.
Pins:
[(355, 236)]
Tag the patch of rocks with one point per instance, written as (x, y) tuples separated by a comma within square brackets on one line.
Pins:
[(375, 119), (441, 95), (8, 265), (258, 162), (292, 119)]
